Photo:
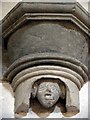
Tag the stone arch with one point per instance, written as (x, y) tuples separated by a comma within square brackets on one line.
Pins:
[(70, 97)]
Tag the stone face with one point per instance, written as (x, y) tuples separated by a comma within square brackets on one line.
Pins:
[(48, 93)]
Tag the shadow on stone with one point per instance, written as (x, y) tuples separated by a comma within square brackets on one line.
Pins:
[(43, 112)]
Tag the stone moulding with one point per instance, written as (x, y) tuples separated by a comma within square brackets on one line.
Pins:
[(48, 58), (28, 69), (24, 72), (23, 12)]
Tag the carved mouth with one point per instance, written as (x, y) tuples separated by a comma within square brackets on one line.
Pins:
[(48, 96)]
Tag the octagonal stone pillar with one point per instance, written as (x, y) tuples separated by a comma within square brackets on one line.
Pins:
[(46, 41)]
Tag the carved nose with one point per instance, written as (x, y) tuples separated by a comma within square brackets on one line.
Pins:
[(48, 90)]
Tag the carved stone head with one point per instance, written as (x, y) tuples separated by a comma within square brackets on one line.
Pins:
[(48, 93)]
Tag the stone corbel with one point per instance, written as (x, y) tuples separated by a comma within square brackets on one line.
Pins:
[(46, 41)]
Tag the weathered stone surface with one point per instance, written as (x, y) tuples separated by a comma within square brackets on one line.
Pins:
[(48, 37), (72, 12), (23, 81), (47, 45), (22, 94), (48, 92), (54, 1)]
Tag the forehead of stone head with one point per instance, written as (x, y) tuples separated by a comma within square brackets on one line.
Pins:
[(48, 84)]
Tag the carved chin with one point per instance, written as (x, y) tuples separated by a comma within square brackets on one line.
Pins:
[(48, 103), (48, 100)]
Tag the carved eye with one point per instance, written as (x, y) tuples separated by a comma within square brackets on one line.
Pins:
[(42, 88), (52, 89)]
